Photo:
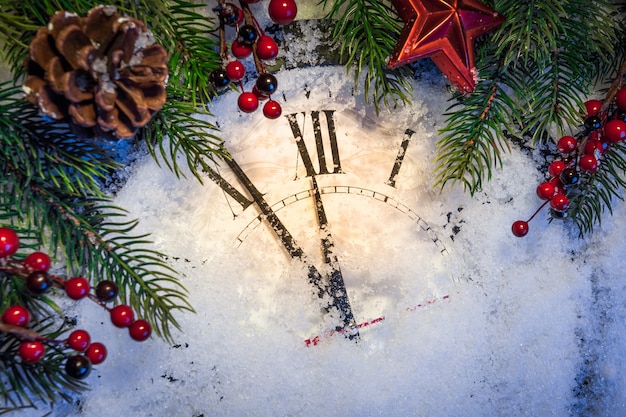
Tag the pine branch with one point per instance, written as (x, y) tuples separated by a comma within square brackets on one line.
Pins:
[(368, 31), (181, 128), (23, 384), (474, 138), (595, 193), (553, 51), (536, 70)]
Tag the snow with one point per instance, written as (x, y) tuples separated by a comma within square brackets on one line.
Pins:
[(515, 327), (526, 320)]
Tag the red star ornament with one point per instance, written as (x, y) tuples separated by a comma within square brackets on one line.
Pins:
[(444, 30)]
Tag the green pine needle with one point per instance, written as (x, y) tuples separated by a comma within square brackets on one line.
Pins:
[(368, 31)]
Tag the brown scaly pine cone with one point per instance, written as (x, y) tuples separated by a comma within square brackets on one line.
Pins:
[(102, 73)]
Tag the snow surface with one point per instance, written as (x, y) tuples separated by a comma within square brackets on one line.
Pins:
[(530, 327)]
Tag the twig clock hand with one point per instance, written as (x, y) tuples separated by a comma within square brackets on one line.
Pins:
[(336, 284), (335, 289)]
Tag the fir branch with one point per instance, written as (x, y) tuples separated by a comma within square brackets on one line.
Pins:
[(97, 245), (473, 139), (182, 128), (595, 193), (22, 384), (552, 52), (368, 31)]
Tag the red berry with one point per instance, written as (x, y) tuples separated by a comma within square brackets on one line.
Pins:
[(593, 147), (545, 190), (615, 131), (272, 109), (9, 242), (16, 315), (556, 167), (266, 48), (248, 102), (558, 185), (240, 50), (122, 315), (588, 163), (620, 98), (97, 353), (593, 107), (31, 352), (567, 144), (282, 12), (235, 71), (559, 202), (520, 228), (259, 94), (37, 261), (140, 330), (77, 288), (79, 340)]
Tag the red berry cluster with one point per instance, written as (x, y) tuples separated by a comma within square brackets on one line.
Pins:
[(34, 268), (250, 40), (579, 155)]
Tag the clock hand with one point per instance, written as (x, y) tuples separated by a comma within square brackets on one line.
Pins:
[(336, 283), (337, 294)]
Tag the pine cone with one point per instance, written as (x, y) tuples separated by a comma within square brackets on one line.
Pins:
[(103, 72)]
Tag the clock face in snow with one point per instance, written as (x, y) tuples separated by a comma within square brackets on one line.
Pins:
[(336, 191)]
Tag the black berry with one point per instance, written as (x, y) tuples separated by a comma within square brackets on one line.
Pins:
[(78, 366), (106, 291), (266, 83), (38, 282)]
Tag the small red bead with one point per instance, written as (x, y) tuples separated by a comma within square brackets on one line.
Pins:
[(37, 261), (16, 316), (248, 102), (588, 163), (97, 353), (259, 94), (592, 107), (79, 340), (620, 98), (545, 190), (520, 228), (615, 131), (266, 48), (235, 71), (559, 202), (122, 315), (282, 12), (140, 330), (567, 144), (556, 167), (594, 147), (77, 288), (272, 109), (240, 50), (31, 352), (9, 242)]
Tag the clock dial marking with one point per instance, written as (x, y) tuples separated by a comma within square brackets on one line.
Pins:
[(228, 188), (335, 278), (400, 158), (319, 142), (334, 287)]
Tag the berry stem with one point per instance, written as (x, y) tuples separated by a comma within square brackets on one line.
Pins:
[(615, 86), (537, 211), (250, 20)]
